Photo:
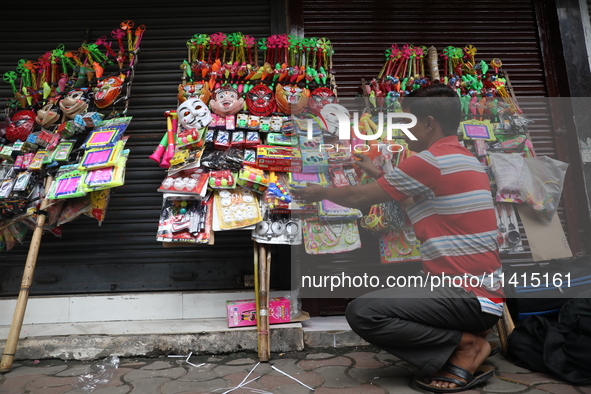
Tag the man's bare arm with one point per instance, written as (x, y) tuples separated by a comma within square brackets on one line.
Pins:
[(362, 196)]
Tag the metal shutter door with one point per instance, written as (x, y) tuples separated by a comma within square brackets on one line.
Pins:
[(361, 31), (122, 254)]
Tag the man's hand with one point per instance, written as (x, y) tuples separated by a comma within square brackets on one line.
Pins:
[(312, 193), (366, 164)]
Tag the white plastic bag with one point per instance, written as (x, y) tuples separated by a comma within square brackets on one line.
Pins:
[(537, 180), (543, 184), (509, 170)]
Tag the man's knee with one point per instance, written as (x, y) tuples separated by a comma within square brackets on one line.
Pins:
[(355, 318)]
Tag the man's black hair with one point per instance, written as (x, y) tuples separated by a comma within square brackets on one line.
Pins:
[(439, 101)]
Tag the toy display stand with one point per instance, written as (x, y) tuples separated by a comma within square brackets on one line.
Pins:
[(262, 275), (505, 327), (23, 295)]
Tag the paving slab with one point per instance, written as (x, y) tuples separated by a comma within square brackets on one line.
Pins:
[(326, 371)]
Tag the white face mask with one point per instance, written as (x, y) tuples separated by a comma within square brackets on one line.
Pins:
[(194, 114)]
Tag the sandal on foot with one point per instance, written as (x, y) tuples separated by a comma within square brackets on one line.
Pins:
[(483, 373)]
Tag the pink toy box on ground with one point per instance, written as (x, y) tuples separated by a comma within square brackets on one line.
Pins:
[(242, 313)]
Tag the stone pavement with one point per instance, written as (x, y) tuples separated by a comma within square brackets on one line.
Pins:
[(349, 370)]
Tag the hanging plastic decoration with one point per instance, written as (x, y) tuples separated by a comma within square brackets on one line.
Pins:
[(194, 89), (194, 114), (321, 97), (226, 101), (291, 99), (49, 114), (56, 103), (261, 100), (107, 90), (22, 123), (75, 102)]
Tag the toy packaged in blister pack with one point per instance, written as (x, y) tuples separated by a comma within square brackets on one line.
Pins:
[(99, 200), (236, 208), (253, 178), (185, 219), (223, 179), (278, 229), (106, 178), (67, 183), (101, 157), (322, 237), (399, 245), (104, 136), (185, 159), (193, 181)]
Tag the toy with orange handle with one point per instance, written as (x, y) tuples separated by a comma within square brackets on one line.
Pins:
[(171, 122)]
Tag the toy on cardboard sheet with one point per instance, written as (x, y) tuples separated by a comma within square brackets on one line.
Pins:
[(22, 125), (49, 114), (261, 100), (75, 103), (321, 97), (291, 99), (226, 101), (194, 89), (107, 90), (193, 114)]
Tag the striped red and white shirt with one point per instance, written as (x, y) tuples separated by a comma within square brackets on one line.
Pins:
[(453, 216)]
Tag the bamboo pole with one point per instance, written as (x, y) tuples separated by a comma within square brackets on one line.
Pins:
[(263, 316), (505, 327), (256, 293), (508, 320), (23, 295), (268, 302), (502, 336)]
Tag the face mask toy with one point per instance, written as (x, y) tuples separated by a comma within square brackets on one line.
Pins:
[(107, 90), (75, 103), (193, 114), (48, 114), (195, 89), (260, 101), (291, 99), (21, 126), (321, 97), (226, 101)]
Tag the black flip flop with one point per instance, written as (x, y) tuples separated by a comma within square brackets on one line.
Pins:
[(494, 348), (482, 374)]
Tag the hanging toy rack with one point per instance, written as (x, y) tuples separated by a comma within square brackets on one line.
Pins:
[(408, 67), (242, 61), (53, 74)]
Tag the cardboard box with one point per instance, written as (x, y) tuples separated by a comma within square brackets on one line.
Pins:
[(242, 313), (278, 156)]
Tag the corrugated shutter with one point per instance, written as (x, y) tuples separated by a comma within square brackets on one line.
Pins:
[(361, 31), (123, 254)]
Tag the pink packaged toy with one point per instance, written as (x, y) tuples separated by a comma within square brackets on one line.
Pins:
[(242, 313)]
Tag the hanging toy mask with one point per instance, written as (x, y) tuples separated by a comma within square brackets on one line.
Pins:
[(195, 89), (321, 97), (21, 126), (48, 114), (193, 114), (260, 100), (75, 103), (291, 99), (226, 101), (107, 90)]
